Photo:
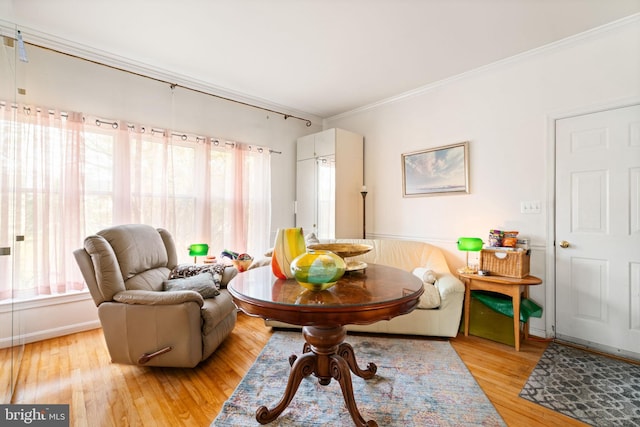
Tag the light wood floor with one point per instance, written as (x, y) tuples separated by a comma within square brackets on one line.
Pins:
[(76, 370)]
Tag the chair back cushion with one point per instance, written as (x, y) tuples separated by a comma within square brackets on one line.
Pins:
[(131, 257)]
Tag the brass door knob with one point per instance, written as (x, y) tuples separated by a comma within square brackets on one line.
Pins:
[(564, 244)]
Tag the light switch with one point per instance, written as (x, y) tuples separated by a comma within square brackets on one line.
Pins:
[(530, 207)]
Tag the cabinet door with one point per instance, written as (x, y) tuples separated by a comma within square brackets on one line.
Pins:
[(306, 195), (325, 143), (305, 147)]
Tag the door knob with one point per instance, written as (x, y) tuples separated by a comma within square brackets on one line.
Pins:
[(564, 244)]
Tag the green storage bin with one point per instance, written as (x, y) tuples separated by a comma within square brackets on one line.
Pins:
[(490, 322), (487, 323)]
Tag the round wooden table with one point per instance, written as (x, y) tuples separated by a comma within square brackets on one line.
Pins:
[(364, 297)]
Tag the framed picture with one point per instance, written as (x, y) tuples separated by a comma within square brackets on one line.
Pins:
[(436, 171)]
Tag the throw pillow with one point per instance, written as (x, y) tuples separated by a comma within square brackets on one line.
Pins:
[(429, 276), (431, 296), (202, 283), (189, 270)]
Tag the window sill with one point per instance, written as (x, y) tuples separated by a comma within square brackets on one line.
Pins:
[(43, 301)]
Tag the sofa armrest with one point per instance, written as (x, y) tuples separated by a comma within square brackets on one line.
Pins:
[(158, 298), (448, 284)]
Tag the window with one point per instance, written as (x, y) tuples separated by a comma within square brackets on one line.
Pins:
[(65, 176)]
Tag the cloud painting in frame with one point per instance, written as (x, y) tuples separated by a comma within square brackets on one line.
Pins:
[(436, 171)]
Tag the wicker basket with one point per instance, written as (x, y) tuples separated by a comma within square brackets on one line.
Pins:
[(505, 263)]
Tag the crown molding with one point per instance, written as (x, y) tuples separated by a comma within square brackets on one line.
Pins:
[(589, 34)]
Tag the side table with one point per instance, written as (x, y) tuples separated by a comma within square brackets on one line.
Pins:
[(503, 285)]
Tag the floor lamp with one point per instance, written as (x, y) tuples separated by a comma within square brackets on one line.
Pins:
[(363, 191)]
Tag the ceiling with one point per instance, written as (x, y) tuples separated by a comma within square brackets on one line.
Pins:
[(319, 57)]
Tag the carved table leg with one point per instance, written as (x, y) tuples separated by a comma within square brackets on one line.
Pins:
[(340, 372), (303, 367), (346, 352)]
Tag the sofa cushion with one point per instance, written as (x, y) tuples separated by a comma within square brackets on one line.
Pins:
[(201, 283)]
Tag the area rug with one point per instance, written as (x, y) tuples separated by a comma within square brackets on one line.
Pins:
[(418, 383), (591, 388)]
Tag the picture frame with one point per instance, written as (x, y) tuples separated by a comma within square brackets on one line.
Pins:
[(436, 171)]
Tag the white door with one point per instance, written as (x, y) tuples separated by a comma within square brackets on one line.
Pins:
[(598, 230)]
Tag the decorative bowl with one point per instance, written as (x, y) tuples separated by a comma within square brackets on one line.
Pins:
[(343, 250), (242, 265), (317, 270)]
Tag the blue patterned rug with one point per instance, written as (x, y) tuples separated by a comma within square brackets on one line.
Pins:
[(418, 383), (597, 390)]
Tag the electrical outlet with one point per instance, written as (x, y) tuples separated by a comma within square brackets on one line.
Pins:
[(530, 207)]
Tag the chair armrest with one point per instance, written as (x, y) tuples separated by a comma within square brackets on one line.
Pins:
[(448, 284), (158, 298)]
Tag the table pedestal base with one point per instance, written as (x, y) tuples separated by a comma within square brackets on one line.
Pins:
[(327, 356)]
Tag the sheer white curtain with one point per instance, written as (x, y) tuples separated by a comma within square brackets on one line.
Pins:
[(42, 199), (65, 176), (239, 193)]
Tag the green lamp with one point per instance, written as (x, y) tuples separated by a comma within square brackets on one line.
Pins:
[(198, 249), (469, 244)]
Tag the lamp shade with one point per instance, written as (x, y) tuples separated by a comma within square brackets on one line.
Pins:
[(198, 249), (472, 244)]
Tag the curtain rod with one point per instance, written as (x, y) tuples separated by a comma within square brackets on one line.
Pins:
[(115, 125), (173, 85)]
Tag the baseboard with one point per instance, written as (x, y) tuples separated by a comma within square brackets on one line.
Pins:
[(27, 321), (46, 334)]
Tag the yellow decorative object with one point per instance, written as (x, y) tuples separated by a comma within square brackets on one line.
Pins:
[(288, 245), (318, 270)]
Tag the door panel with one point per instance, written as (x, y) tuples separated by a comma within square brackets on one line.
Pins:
[(589, 202), (590, 285), (597, 213)]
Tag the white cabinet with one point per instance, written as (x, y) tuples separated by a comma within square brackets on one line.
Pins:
[(329, 177)]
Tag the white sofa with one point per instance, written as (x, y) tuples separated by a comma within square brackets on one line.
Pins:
[(440, 308)]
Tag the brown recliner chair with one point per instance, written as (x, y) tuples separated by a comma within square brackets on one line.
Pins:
[(126, 268)]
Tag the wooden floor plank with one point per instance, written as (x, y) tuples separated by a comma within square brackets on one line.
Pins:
[(76, 370)]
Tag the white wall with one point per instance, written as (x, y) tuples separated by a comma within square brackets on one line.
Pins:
[(504, 110)]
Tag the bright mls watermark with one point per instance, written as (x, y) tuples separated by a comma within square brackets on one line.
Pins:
[(34, 415)]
